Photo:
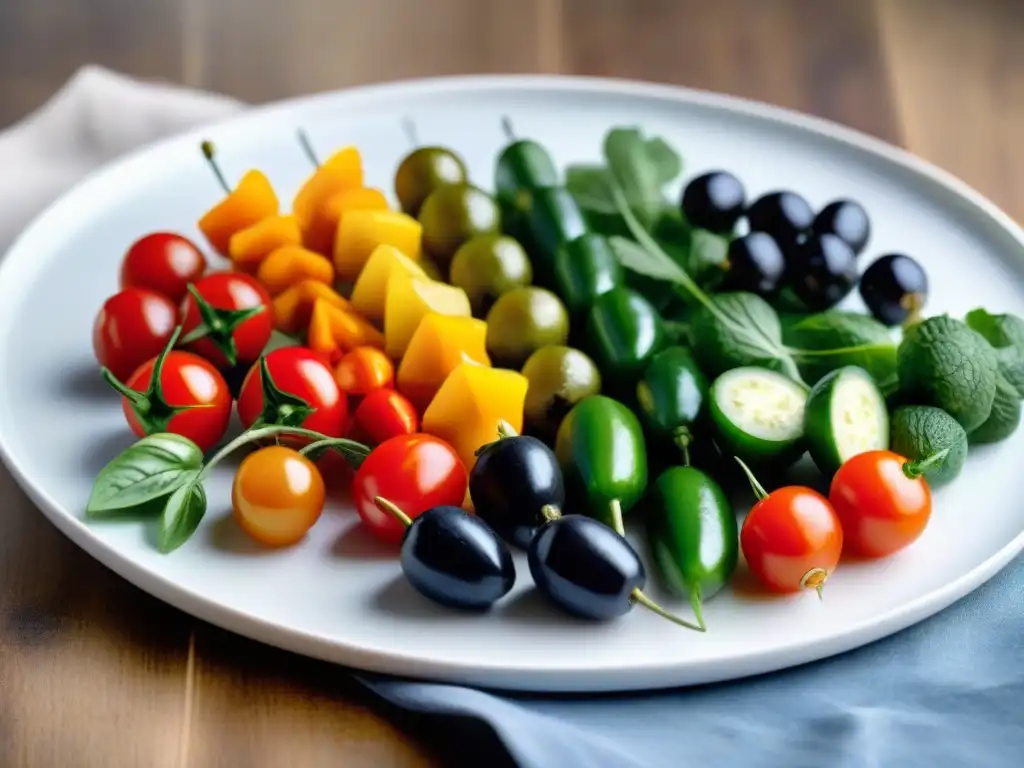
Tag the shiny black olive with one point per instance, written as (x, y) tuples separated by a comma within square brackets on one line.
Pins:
[(784, 215), (822, 271), (513, 482), (454, 558), (756, 264), (894, 288), (846, 220), (714, 201)]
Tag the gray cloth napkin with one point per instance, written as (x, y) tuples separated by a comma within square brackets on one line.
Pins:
[(946, 693)]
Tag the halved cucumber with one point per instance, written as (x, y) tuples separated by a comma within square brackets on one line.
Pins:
[(845, 415), (758, 415)]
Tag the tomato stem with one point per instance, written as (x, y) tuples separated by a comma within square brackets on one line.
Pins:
[(313, 450), (280, 407), (758, 489), (697, 603), (550, 512), (209, 152), (682, 438), (138, 400), (386, 506), (307, 148), (914, 469), (219, 324), (615, 516), (639, 597), (506, 430), (506, 126), (409, 129), (814, 579)]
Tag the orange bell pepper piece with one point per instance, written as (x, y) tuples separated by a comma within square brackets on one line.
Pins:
[(440, 344), (291, 264), (409, 300), (467, 408), (361, 231), (249, 246), (369, 294), (355, 199), (248, 203), (333, 331), (294, 306), (340, 172)]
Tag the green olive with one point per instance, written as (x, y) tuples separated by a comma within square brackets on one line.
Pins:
[(424, 170), (559, 377), (453, 214), (487, 266), (521, 322)]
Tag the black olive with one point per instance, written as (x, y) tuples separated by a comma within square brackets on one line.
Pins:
[(784, 215), (822, 271), (714, 201), (846, 220), (454, 558), (894, 288), (513, 481), (756, 263)]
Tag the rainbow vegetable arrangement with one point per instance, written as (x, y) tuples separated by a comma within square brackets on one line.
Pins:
[(536, 367)]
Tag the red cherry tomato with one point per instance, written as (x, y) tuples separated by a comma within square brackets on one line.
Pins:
[(186, 380), (383, 414), (363, 370), (133, 326), (233, 335), (414, 472), (792, 539), (882, 509), (299, 380), (163, 262)]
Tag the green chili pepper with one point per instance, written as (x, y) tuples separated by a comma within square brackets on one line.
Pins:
[(585, 268), (623, 333), (693, 535), (523, 166), (554, 219), (600, 448), (672, 395)]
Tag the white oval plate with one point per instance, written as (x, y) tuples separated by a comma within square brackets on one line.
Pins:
[(338, 595)]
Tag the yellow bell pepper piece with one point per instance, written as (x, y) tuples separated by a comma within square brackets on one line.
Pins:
[(333, 332), (370, 292), (250, 246), (248, 203), (291, 264), (341, 172), (409, 300), (467, 408), (293, 307), (361, 231), (440, 344)]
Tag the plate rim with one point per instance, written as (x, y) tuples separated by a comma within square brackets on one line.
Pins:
[(498, 675)]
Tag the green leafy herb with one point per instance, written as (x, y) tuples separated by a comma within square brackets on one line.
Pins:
[(706, 256), (1006, 334), (1003, 419), (920, 431), (182, 514), (830, 340), (150, 469)]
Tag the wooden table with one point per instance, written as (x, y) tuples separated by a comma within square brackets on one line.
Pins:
[(95, 673)]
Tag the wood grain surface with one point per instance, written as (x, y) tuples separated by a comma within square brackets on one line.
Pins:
[(95, 673)]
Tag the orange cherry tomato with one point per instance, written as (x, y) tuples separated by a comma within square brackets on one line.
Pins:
[(882, 501), (791, 538), (364, 369), (277, 495), (384, 414)]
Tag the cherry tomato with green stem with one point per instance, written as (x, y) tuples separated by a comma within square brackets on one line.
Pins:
[(882, 500), (414, 472), (176, 392), (132, 327), (791, 538), (227, 318), (293, 386), (163, 262), (383, 414)]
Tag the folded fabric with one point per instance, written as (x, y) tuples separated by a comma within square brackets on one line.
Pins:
[(948, 692)]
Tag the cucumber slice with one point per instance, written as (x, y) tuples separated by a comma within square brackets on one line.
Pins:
[(845, 415), (758, 415)]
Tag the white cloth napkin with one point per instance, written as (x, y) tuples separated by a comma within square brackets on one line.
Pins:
[(96, 116)]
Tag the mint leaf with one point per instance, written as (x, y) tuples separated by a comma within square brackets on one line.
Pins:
[(1006, 334), (830, 340)]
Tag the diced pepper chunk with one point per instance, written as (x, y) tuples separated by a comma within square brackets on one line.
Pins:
[(294, 306), (409, 300), (291, 264), (341, 172), (250, 246), (467, 408), (369, 295), (248, 203), (356, 199), (361, 231), (440, 344), (333, 331)]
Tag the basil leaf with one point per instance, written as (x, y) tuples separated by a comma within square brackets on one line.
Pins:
[(589, 185), (182, 514), (706, 256), (1006, 334), (829, 340), (637, 258), (151, 468), (666, 161)]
